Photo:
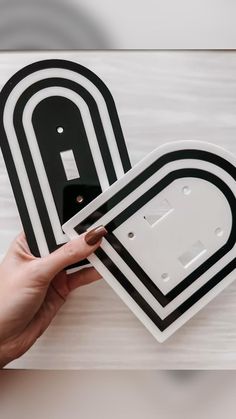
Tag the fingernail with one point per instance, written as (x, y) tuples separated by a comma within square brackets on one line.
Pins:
[(93, 236)]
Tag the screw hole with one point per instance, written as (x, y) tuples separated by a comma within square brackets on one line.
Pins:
[(219, 232), (186, 190), (60, 130), (131, 235), (165, 277), (79, 199)]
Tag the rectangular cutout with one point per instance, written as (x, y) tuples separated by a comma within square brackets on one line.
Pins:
[(161, 211), (69, 164), (195, 252)]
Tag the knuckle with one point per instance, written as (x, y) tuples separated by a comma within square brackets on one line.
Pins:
[(72, 250)]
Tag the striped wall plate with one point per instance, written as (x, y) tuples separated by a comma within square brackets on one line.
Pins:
[(171, 224), (61, 140)]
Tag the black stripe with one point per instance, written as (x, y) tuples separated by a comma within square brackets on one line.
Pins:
[(20, 201), (147, 309), (134, 294)]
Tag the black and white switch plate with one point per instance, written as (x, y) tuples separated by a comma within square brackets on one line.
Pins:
[(171, 224), (62, 143)]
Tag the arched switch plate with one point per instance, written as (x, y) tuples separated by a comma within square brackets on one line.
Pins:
[(171, 225), (62, 143)]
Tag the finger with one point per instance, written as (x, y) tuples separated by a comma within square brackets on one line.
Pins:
[(72, 252), (84, 277), (63, 284)]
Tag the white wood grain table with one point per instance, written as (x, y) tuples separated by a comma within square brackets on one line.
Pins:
[(161, 97)]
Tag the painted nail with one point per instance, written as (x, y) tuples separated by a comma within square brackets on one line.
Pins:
[(94, 236)]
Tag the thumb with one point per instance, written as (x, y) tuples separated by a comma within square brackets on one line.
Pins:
[(72, 252)]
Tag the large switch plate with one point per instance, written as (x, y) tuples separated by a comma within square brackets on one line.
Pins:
[(61, 139), (171, 237)]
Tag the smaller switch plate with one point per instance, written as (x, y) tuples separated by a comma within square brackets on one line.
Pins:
[(171, 237)]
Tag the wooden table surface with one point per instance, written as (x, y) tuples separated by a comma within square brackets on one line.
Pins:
[(161, 96)]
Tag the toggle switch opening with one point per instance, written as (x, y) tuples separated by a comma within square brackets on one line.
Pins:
[(191, 255), (70, 166), (163, 209)]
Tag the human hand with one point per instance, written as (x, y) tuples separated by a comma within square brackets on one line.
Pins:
[(32, 290)]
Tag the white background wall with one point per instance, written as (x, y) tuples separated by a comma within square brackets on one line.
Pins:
[(201, 24), (150, 24)]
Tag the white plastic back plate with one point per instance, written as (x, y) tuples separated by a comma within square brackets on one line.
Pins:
[(171, 224)]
